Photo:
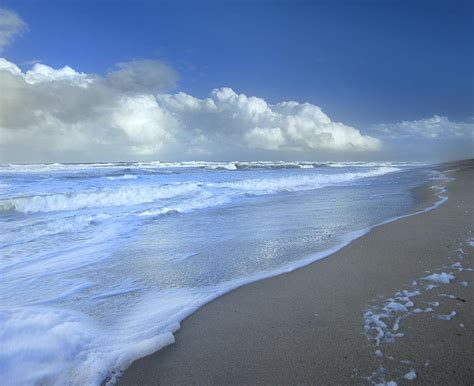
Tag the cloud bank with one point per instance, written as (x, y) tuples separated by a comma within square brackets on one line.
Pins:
[(49, 115), (433, 128), (64, 115), (11, 26), (432, 139)]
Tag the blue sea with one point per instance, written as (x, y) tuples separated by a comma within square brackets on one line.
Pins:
[(101, 262)]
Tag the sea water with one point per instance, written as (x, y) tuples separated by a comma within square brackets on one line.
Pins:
[(100, 262)]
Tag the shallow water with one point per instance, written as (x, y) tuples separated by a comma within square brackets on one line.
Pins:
[(100, 262)]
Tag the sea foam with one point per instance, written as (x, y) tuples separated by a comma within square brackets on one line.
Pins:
[(96, 274), (103, 198), (136, 194)]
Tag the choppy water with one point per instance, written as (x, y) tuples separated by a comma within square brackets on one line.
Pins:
[(100, 262)]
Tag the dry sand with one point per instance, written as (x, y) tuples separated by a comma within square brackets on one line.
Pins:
[(307, 326)]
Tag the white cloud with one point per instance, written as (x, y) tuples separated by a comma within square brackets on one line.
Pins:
[(146, 124), (230, 118), (7, 66), (41, 73), (433, 128), (49, 115), (11, 26), (265, 138)]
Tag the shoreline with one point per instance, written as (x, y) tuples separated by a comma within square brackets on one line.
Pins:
[(163, 365)]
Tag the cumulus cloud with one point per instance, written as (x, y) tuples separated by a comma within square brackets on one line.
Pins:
[(433, 128), (11, 26), (142, 76), (41, 73), (230, 118), (49, 115)]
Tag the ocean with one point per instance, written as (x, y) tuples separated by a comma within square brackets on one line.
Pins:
[(101, 262)]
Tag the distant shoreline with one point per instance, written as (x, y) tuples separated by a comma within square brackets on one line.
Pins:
[(267, 332)]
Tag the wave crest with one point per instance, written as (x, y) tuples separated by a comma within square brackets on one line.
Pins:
[(105, 198), (135, 195)]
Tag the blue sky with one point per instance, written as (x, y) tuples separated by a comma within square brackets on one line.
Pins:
[(364, 63)]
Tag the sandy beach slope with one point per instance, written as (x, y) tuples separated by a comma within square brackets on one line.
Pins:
[(319, 324)]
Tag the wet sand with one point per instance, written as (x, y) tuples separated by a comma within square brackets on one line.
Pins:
[(307, 326)]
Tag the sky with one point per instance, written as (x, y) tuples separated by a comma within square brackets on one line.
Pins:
[(86, 81)]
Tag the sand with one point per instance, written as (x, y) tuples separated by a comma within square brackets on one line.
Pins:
[(307, 326)]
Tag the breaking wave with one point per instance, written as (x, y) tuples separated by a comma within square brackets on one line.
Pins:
[(301, 182), (124, 196), (135, 195), (130, 167)]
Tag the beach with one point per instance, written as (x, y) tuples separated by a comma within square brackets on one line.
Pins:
[(236, 192), (320, 324), (105, 260)]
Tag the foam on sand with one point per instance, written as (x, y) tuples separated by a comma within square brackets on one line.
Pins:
[(383, 322), (443, 277), (449, 316), (411, 375)]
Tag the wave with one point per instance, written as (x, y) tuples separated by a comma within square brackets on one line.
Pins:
[(373, 164), (46, 168), (241, 165), (105, 198), (49, 228), (131, 317), (207, 165), (135, 195), (124, 177), (300, 182), (204, 201), (147, 327)]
